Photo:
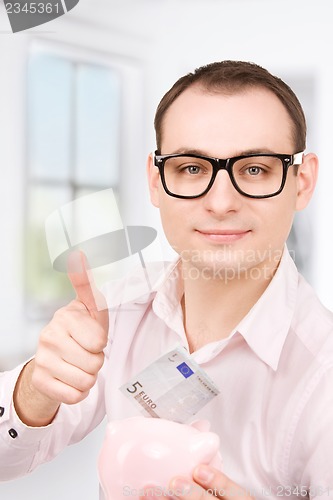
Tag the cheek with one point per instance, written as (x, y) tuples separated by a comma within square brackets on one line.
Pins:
[(280, 210), (172, 217), (175, 220), (278, 221)]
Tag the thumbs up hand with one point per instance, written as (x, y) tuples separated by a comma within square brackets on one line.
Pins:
[(70, 352), (86, 291)]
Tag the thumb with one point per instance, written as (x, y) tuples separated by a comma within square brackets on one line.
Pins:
[(85, 288)]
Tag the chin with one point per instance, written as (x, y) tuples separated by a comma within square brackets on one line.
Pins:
[(208, 267)]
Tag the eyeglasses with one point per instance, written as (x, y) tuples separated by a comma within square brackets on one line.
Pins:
[(255, 175)]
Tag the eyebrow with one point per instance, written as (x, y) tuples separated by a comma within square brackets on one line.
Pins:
[(240, 153)]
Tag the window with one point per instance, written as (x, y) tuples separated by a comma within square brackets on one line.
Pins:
[(73, 123)]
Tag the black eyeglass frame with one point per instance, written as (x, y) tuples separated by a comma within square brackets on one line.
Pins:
[(227, 164)]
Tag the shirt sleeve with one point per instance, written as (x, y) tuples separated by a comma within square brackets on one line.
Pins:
[(23, 448), (311, 458)]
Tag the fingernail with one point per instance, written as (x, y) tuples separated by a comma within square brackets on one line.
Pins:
[(204, 474), (149, 493), (152, 492), (180, 487)]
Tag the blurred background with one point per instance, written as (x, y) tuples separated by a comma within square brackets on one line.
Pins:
[(77, 101)]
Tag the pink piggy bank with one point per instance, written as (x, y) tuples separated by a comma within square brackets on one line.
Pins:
[(143, 451)]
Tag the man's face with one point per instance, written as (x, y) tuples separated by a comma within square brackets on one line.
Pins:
[(223, 229)]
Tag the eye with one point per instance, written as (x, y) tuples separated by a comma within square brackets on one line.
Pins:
[(193, 169), (254, 170), (186, 166)]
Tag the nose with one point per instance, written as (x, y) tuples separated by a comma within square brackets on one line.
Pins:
[(222, 196)]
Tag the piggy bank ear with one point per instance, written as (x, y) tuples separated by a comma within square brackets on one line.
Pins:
[(205, 445), (201, 425), (111, 428)]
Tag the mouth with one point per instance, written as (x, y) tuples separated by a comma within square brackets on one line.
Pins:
[(224, 235)]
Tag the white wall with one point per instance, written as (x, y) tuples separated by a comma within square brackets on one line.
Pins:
[(158, 41)]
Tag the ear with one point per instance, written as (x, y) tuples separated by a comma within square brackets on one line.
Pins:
[(153, 181), (306, 180)]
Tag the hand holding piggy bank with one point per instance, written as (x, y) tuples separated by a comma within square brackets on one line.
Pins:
[(142, 451)]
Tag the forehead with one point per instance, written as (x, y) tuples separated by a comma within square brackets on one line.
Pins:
[(221, 124)]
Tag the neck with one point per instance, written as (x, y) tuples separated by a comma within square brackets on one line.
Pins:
[(214, 304)]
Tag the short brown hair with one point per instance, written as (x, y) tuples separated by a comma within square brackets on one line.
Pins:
[(232, 77)]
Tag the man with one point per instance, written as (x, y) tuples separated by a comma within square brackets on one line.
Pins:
[(228, 176)]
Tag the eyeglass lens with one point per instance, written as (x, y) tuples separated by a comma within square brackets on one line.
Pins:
[(256, 176)]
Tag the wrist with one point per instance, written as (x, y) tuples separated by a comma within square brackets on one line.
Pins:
[(32, 407)]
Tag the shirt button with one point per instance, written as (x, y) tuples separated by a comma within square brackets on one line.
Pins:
[(2, 411), (12, 433)]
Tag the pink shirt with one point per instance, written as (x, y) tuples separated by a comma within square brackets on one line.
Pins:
[(274, 414)]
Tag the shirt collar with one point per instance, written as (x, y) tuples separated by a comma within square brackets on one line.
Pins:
[(266, 325), (167, 301)]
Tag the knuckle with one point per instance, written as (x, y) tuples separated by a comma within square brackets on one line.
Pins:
[(98, 346), (84, 381), (76, 307), (100, 339), (60, 314), (94, 340), (96, 363), (100, 361), (46, 335), (71, 396), (51, 336), (92, 363), (90, 382), (62, 384), (64, 393), (41, 360), (73, 309)]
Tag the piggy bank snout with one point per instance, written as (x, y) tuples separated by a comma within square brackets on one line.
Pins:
[(140, 451)]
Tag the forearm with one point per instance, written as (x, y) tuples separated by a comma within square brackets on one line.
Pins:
[(33, 408), (20, 444), (27, 447)]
